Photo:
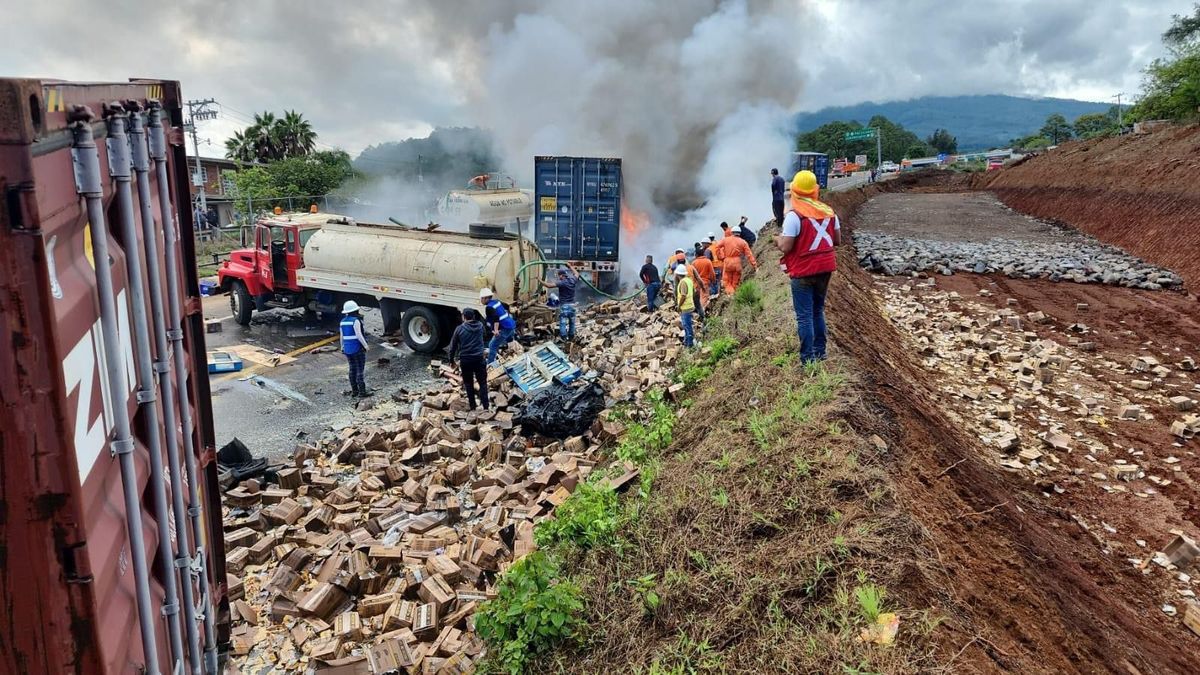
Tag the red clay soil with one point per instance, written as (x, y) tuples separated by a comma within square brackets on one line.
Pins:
[(1026, 589), (1138, 192)]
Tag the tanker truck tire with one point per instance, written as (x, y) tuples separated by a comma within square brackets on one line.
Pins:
[(241, 303), (422, 329)]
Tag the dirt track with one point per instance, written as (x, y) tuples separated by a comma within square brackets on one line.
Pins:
[(1027, 588)]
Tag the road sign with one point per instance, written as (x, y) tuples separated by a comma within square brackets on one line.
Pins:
[(860, 134), (860, 160)]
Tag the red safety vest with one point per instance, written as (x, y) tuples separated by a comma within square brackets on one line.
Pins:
[(813, 252)]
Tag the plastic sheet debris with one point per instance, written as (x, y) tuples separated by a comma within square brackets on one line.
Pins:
[(559, 411)]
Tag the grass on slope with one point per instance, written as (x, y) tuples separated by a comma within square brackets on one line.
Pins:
[(767, 538)]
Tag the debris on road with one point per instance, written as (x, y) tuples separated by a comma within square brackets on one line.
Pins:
[(375, 548)]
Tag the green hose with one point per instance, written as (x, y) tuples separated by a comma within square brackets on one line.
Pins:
[(531, 263)]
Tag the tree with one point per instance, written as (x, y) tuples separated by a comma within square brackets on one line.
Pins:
[(917, 150), (942, 142), (312, 175), (1091, 125), (1056, 129), (294, 135), (1171, 87), (240, 147)]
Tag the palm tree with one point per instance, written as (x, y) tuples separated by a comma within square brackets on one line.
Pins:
[(263, 136), (295, 135), (240, 147)]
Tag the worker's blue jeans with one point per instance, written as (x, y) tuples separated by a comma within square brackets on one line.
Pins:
[(498, 340), (808, 300), (688, 337), (566, 321), (652, 289)]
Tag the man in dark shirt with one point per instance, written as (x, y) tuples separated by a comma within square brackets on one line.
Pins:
[(567, 279), (777, 195), (745, 232), (653, 282)]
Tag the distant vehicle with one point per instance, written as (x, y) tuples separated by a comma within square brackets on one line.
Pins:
[(492, 198), (816, 162), (889, 167), (995, 163), (418, 278), (578, 217)]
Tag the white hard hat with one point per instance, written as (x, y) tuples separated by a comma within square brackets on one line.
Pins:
[(485, 293), (711, 235), (681, 270), (350, 306)]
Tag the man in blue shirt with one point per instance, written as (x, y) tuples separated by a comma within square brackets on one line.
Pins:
[(496, 318), (354, 346), (567, 279), (777, 194)]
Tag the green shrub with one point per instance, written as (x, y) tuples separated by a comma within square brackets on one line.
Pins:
[(748, 294), (586, 519), (720, 348), (533, 611)]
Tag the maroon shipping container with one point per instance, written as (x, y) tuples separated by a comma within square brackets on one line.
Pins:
[(110, 517)]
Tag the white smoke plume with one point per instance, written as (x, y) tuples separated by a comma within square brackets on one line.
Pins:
[(693, 95)]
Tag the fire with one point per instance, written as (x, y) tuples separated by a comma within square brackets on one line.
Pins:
[(633, 223)]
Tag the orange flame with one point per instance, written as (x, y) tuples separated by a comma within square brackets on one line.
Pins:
[(633, 223)]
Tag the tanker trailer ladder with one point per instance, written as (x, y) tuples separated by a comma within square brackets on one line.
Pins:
[(86, 161), (162, 367), (119, 168), (158, 153), (582, 278)]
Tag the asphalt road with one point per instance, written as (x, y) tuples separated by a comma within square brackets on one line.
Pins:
[(272, 409)]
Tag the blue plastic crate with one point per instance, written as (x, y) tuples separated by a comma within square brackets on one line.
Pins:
[(223, 362), (540, 367)]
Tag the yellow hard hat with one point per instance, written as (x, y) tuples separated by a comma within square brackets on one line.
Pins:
[(804, 184)]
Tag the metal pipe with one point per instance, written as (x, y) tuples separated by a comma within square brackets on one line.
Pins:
[(86, 161), (158, 152), (119, 165), (162, 367)]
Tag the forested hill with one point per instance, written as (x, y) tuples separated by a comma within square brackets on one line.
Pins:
[(979, 122)]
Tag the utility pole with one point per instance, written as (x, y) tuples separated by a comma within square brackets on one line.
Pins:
[(878, 147), (1120, 121), (199, 111)]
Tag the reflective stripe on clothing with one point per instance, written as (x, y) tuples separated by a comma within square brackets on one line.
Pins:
[(685, 288), (351, 332), (502, 316)]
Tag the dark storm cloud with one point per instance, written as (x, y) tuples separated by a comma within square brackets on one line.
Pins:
[(375, 70)]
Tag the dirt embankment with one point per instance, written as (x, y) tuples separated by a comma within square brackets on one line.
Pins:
[(1026, 590), (1136, 191)]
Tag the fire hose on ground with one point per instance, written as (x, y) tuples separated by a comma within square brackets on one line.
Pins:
[(547, 263)]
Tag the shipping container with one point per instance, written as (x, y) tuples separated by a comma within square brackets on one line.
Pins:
[(578, 213), (816, 162), (112, 542)]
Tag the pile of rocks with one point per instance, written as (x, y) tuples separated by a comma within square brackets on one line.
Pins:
[(1083, 261), (373, 551)]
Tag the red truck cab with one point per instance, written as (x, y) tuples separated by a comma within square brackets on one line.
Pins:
[(264, 275)]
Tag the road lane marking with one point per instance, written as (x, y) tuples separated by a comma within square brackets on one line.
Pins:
[(247, 372)]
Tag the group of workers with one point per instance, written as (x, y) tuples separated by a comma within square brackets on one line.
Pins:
[(809, 233), (716, 266)]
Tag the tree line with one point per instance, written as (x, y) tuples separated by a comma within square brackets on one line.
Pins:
[(896, 142), (282, 160)]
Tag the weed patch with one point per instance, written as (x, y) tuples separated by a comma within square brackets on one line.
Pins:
[(749, 295)]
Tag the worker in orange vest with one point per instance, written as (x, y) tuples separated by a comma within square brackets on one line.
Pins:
[(731, 249)]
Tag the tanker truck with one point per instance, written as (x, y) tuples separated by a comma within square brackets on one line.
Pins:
[(420, 279), (489, 199)]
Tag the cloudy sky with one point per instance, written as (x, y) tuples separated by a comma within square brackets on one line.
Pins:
[(370, 71)]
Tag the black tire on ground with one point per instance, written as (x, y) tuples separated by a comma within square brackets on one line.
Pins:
[(422, 329), (241, 303)]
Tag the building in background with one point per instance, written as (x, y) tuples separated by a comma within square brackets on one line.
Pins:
[(217, 190)]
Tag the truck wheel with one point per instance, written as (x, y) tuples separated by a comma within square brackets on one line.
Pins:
[(241, 303), (422, 329)]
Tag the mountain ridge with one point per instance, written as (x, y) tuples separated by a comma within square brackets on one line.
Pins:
[(979, 121)]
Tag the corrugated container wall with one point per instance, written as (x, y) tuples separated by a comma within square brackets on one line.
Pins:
[(104, 399), (815, 162), (577, 202)]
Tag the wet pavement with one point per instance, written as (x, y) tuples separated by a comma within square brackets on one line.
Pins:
[(273, 409)]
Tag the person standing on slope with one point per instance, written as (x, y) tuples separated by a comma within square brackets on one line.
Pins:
[(685, 290), (778, 189), (811, 230), (730, 250)]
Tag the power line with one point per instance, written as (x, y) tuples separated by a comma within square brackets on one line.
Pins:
[(199, 110)]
